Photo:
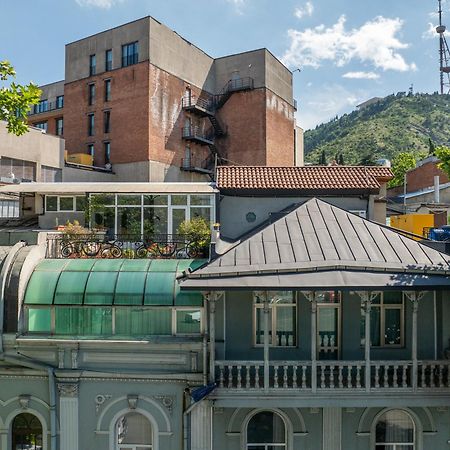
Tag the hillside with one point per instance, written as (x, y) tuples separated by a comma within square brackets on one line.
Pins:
[(395, 124)]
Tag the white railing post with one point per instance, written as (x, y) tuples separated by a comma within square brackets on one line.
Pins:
[(266, 310), (212, 336), (310, 295), (415, 298)]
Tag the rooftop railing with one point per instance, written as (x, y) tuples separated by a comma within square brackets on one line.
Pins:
[(41, 108)]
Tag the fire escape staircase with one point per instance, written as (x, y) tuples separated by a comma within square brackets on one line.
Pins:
[(206, 106)]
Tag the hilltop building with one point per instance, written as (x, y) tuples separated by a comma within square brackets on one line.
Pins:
[(147, 105)]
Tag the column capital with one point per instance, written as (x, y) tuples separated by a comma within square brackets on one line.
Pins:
[(68, 390), (310, 295), (414, 297)]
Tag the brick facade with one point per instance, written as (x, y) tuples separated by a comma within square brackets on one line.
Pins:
[(423, 176)]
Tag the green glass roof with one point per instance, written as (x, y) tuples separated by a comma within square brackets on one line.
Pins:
[(111, 282)]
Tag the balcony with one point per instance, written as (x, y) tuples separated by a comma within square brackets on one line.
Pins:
[(196, 134), (200, 106), (103, 245), (198, 165), (41, 109)]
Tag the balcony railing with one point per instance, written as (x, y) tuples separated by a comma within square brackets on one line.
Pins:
[(331, 375), (197, 134), (102, 245), (190, 102), (41, 109)]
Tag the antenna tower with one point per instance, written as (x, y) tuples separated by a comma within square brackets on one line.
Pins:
[(444, 55)]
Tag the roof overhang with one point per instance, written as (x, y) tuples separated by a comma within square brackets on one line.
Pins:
[(326, 192)]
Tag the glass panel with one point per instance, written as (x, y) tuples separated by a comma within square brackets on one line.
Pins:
[(327, 332), (79, 265), (83, 321), (134, 428), (66, 203), (204, 213), (285, 326), (155, 221), (392, 326), (41, 288), (178, 217), (201, 200), (39, 320), (130, 288), (187, 298), (51, 203), (51, 265), (135, 265), (142, 322), (395, 426), (280, 297), (70, 288), (107, 265), (392, 298), (328, 297), (153, 200), (266, 428), (188, 321), (81, 203), (103, 199), (129, 221), (159, 288), (259, 338), (104, 219), (375, 326), (178, 199), (26, 432), (128, 200), (100, 288)]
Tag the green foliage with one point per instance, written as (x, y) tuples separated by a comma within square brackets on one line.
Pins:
[(323, 159), (400, 165), (395, 124), (16, 101), (443, 153), (198, 232)]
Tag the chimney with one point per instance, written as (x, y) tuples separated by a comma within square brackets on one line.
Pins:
[(436, 189), (215, 240)]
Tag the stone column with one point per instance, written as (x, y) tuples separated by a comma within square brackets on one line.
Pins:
[(332, 428), (68, 415), (415, 298), (201, 426), (266, 342), (212, 337), (310, 295)]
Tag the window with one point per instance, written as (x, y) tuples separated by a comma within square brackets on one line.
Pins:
[(108, 60), (51, 203), (266, 431), (91, 94), (9, 208), (42, 106), (107, 121), (133, 431), (66, 203), (60, 101), (51, 174), (91, 124), (130, 54), (386, 320), (395, 431), (92, 65), (188, 321), (17, 168), (26, 431), (41, 125), (282, 318), (107, 90), (107, 147), (91, 150), (59, 126)]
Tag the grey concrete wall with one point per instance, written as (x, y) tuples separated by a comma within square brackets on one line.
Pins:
[(233, 210), (278, 78), (52, 90), (78, 52), (73, 174), (299, 146)]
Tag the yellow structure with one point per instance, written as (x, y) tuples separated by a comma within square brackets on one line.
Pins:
[(413, 223), (80, 158)]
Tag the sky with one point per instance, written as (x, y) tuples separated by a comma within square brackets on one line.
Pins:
[(348, 50)]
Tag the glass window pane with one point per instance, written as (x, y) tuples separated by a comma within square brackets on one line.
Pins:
[(83, 321), (142, 322), (133, 428), (104, 219), (178, 199), (266, 428), (41, 288), (39, 320), (129, 221), (259, 326), (103, 199), (159, 288), (375, 326), (51, 203), (178, 217), (188, 321), (130, 288), (201, 200), (81, 203), (127, 200), (66, 203), (392, 298), (100, 288), (155, 221), (280, 297), (328, 297), (392, 326), (70, 288), (395, 426), (204, 213), (286, 324), (155, 200), (26, 432)]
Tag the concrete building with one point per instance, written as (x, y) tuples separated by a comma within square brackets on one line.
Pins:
[(149, 105)]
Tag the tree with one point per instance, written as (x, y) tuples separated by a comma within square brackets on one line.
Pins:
[(400, 165), (16, 100), (443, 154), (431, 146), (341, 160), (323, 159), (367, 160)]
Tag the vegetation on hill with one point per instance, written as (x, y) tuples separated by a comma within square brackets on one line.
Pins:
[(396, 124)]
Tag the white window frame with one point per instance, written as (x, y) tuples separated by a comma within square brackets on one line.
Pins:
[(394, 446), (282, 446), (175, 309)]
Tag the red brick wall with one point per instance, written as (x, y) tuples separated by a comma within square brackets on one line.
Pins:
[(129, 115), (423, 176), (49, 117)]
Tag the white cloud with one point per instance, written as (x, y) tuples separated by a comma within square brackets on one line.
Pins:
[(104, 4), (304, 11), (238, 4), (375, 42), (361, 75), (431, 32)]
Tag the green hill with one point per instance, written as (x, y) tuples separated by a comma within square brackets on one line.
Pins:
[(397, 123)]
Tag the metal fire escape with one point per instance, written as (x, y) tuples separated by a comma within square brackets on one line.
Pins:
[(206, 106)]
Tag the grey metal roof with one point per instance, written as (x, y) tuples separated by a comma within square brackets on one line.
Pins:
[(318, 236)]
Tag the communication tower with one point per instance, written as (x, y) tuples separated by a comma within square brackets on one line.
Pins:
[(444, 55)]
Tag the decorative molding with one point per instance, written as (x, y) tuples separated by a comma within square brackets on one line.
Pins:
[(24, 401), (132, 401), (100, 400), (68, 390), (314, 410), (350, 410), (74, 358), (219, 410), (61, 354), (168, 401)]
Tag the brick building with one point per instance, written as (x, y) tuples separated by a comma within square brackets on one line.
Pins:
[(141, 99)]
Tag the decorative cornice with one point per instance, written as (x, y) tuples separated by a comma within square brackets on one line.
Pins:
[(68, 390)]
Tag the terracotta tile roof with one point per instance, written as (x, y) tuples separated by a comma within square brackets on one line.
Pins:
[(310, 178)]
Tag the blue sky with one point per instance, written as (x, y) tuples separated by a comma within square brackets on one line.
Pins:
[(348, 50)]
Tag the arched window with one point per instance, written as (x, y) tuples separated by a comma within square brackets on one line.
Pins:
[(395, 431), (133, 432), (26, 432), (266, 431)]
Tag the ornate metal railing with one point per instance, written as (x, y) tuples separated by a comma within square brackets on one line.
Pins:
[(103, 245)]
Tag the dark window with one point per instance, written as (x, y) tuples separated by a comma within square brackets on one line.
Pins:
[(59, 126), (130, 54), (91, 123), (42, 106), (59, 101), (107, 121), (92, 65), (107, 146), (108, 60), (91, 94), (91, 149), (107, 90), (41, 125), (26, 432)]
